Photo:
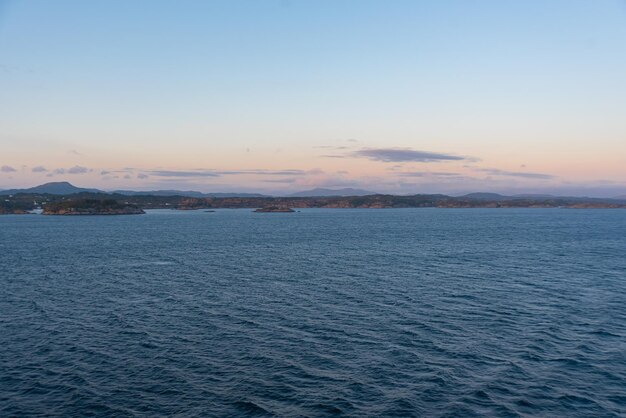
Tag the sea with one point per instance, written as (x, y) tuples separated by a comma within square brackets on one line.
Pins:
[(322, 312)]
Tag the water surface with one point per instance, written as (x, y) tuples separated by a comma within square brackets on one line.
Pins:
[(426, 312)]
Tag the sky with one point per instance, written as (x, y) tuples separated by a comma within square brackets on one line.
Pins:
[(278, 96)]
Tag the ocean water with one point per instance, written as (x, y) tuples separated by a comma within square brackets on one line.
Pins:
[(416, 312)]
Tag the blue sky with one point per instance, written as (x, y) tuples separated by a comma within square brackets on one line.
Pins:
[(285, 95)]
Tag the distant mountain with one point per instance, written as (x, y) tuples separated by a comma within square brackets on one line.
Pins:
[(65, 188), (59, 187), (320, 192), (235, 195), (185, 193), (484, 196), (497, 196), (533, 196), (623, 197)]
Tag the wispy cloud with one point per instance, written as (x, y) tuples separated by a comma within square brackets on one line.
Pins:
[(78, 170), (281, 181), (426, 174), (397, 155), (120, 171), (333, 147), (7, 169), (262, 172), (219, 173), (521, 174), (180, 173), (39, 169)]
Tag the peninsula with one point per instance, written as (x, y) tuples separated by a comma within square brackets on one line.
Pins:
[(91, 207), (8, 207)]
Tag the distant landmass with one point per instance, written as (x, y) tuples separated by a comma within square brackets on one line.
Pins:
[(483, 196), (64, 198), (320, 192), (91, 207), (497, 196), (534, 196), (66, 188), (185, 193), (59, 188)]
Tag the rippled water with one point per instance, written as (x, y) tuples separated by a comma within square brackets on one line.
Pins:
[(428, 312)]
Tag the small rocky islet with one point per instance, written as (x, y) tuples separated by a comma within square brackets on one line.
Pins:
[(274, 209)]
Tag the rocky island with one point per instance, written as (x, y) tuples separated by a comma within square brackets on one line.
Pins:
[(91, 207), (275, 209)]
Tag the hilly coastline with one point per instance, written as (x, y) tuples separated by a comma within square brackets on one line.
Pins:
[(91, 207), (88, 202), (321, 192)]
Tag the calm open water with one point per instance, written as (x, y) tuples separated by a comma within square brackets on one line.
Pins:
[(426, 312)]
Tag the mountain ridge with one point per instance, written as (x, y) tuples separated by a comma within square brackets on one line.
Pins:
[(56, 187), (323, 192), (185, 193), (66, 188)]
